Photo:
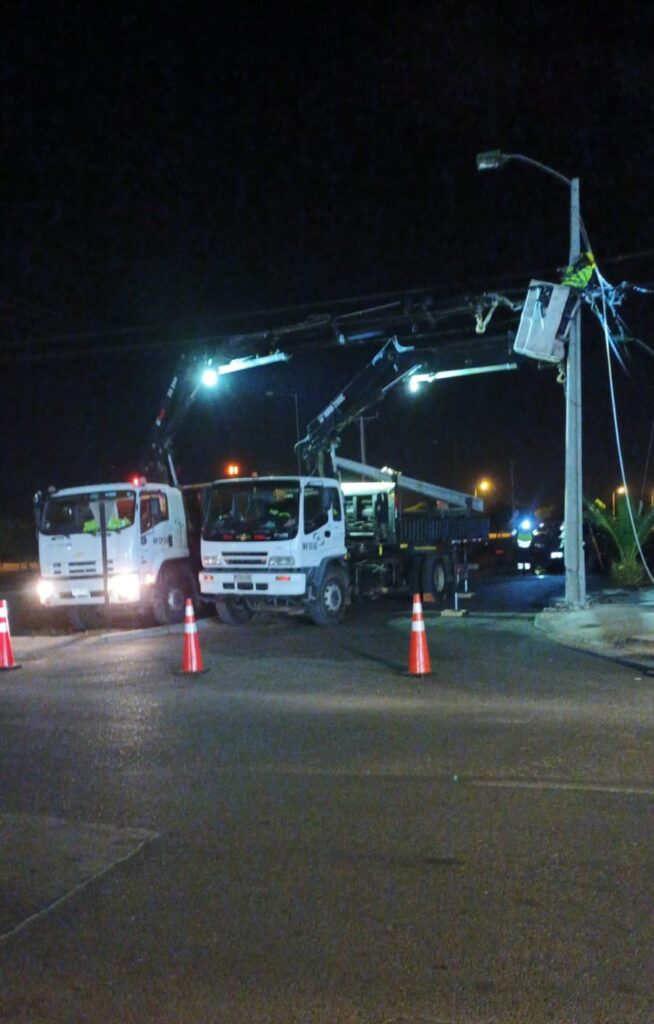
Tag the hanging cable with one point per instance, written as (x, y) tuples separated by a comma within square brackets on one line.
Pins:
[(616, 427)]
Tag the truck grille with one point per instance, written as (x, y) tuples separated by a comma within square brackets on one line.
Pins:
[(91, 568), (245, 560)]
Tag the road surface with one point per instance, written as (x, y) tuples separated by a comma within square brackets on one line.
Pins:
[(306, 834)]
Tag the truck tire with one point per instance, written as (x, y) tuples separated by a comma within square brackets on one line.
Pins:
[(233, 611), (434, 578), (82, 619), (169, 602), (328, 607)]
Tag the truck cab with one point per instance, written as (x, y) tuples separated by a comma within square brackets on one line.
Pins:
[(276, 542), (114, 546)]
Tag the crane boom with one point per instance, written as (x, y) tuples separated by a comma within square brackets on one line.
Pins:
[(411, 329), (393, 364)]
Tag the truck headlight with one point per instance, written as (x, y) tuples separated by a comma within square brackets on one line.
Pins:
[(209, 561), (45, 590), (124, 587), (281, 560)]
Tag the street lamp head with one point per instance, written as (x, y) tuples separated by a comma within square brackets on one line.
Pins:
[(491, 160), (210, 377)]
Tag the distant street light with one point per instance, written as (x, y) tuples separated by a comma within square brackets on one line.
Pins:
[(616, 490), (575, 567), (483, 487)]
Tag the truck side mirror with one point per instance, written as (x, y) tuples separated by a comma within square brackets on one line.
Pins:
[(37, 502)]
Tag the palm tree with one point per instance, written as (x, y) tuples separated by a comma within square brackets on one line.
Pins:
[(627, 570)]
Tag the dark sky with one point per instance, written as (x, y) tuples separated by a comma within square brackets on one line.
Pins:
[(167, 166)]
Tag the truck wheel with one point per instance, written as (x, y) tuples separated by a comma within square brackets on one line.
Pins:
[(434, 578), (233, 611), (82, 619), (170, 599), (329, 606)]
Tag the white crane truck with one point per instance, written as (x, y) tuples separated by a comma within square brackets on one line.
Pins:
[(116, 546), (130, 546), (310, 544)]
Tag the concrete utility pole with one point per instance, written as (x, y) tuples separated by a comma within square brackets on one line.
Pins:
[(575, 566)]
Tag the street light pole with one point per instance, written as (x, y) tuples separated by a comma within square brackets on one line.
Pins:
[(575, 567), (574, 561)]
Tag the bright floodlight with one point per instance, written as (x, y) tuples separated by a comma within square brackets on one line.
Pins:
[(491, 160), (210, 377), (414, 384), (249, 362)]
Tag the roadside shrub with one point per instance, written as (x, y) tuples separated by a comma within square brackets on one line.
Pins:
[(629, 575), (627, 569)]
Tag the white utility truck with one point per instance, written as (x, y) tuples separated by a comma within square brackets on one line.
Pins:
[(114, 546), (131, 546), (311, 544), (275, 542)]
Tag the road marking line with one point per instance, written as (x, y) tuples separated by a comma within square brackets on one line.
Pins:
[(581, 787), (5, 936), (396, 772)]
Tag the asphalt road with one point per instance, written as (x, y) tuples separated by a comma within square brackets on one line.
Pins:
[(306, 834)]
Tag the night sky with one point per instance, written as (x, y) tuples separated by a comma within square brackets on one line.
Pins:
[(169, 171)]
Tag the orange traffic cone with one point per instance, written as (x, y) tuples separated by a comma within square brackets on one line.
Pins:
[(419, 663), (192, 661), (6, 650)]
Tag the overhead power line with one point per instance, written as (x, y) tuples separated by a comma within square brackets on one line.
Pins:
[(30, 347)]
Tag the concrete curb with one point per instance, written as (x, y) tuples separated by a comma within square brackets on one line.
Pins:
[(612, 630), (31, 648)]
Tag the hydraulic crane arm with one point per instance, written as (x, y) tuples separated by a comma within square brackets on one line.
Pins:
[(190, 374), (412, 328), (392, 364)]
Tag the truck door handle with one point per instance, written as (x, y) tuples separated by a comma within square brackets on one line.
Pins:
[(328, 533)]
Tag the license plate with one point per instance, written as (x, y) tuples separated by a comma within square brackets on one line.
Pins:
[(80, 592), (243, 577)]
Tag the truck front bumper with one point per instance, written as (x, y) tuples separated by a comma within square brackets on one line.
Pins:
[(277, 583), (125, 589)]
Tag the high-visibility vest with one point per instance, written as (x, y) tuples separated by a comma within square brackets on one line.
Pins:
[(117, 523), (580, 272)]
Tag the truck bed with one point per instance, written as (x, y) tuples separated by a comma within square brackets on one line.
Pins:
[(442, 526)]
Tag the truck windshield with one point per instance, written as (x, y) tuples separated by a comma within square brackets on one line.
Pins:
[(252, 510), (80, 513)]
